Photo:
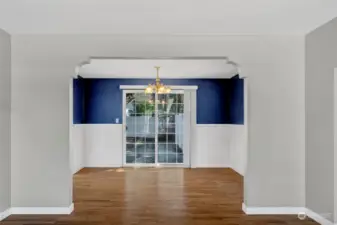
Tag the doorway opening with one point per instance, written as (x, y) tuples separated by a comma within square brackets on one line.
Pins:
[(117, 125)]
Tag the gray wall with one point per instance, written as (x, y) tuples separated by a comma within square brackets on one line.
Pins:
[(41, 69), (5, 120), (321, 59)]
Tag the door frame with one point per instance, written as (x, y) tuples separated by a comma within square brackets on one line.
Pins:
[(335, 140), (187, 140)]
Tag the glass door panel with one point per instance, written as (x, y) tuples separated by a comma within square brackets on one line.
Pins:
[(170, 128), (139, 128), (154, 128)]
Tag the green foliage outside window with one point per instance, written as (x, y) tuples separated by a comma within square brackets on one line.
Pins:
[(145, 108)]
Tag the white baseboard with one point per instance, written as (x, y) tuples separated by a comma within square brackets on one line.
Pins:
[(42, 210), (318, 218), (211, 166), (77, 170), (272, 210), (285, 211), (237, 171), (5, 214), (104, 166)]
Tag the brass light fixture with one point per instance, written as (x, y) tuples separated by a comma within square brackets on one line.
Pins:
[(157, 87)]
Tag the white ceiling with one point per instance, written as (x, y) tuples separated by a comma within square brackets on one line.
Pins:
[(170, 68), (165, 17)]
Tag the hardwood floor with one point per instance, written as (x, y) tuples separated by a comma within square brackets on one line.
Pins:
[(157, 196)]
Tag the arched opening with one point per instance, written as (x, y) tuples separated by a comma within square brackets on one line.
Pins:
[(216, 132)]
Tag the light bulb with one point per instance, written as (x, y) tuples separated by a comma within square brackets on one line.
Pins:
[(161, 89), (148, 90)]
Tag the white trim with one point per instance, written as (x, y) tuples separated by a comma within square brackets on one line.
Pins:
[(124, 127), (225, 58), (42, 210), (138, 87), (5, 214), (318, 218), (285, 211), (219, 125), (77, 170), (236, 171), (335, 144), (104, 166), (154, 165), (210, 166), (272, 210), (70, 124), (244, 208), (186, 129), (246, 124), (193, 129)]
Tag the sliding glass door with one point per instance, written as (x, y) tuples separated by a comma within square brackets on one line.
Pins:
[(154, 129), (170, 119)]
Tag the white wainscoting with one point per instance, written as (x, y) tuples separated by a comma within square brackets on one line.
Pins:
[(103, 145), (221, 145), (237, 146), (212, 146), (77, 147)]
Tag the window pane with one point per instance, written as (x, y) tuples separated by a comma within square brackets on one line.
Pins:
[(130, 153), (150, 148), (162, 158), (149, 109), (162, 138), (130, 98), (130, 149), (130, 129), (180, 148), (139, 139), (171, 158), (180, 108), (180, 158), (130, 159), (150, 138), (140, 148), (171, 148), (173, 109), (141, 97), (145, 158), (162, 148), (140, 123), (179, 98), (130, 139), (171, 138), (162, 107)]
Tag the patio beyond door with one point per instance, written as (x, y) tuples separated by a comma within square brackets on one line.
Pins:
[(155, 128)]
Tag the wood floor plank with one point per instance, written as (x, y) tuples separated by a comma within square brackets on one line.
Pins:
[(157, 196)]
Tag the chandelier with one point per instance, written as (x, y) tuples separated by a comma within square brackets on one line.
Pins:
[(157, 87)]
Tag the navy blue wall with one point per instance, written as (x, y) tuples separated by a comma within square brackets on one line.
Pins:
[(78, 101), (236, 103), (103, 100)]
